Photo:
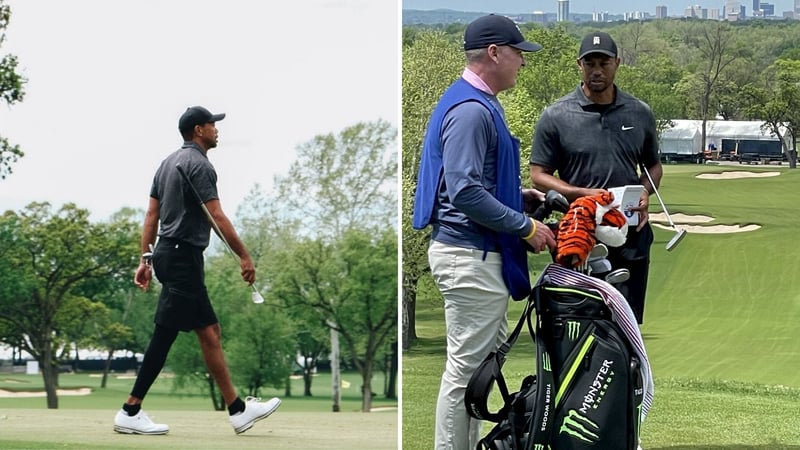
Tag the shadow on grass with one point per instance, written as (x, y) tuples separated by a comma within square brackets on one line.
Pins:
[(428, 346), (728, 447)]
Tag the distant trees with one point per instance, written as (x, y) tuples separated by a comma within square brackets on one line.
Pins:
[(11, 91)]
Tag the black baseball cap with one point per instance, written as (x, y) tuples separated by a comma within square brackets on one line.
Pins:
[(197, 115), (598, 42), (499, 30)]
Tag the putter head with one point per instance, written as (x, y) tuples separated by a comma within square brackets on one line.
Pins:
[(676, 239), (618, 276)]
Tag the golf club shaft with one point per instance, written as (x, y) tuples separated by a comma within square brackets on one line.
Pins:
[(658, 196), (213, 222)]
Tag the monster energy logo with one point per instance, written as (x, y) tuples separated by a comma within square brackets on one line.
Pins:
[(540, 447), (573, 329), (546, 362), (580, 427)]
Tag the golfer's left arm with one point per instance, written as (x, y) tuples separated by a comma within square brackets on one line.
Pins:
[(226, 228)]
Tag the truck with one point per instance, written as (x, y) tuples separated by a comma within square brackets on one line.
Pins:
[(754, 151)]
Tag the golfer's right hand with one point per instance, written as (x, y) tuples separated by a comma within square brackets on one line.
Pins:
[(248, 270), (143, 276), (543, 238)]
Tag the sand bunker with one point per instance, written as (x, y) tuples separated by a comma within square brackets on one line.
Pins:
[(685, 222), (710, 229), (736, 174), (60, 392)]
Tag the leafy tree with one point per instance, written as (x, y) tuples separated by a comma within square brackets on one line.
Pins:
[(344, 181), (430, 64), (46, 255), (11, 91), (351, 285)]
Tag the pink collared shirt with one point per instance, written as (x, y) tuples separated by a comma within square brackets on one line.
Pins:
[(475, 81)]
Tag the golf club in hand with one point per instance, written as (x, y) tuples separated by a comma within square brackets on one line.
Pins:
[(256, 296), (679, 234)]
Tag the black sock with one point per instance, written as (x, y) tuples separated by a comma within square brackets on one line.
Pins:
[(236, 407), (132, 410)]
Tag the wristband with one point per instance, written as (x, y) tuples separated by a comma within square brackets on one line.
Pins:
[(533, 230)]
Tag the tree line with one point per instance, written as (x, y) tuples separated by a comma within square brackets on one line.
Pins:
[(683, 68), (326, 260)]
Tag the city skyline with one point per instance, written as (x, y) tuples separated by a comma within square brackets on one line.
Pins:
[(674, 7)]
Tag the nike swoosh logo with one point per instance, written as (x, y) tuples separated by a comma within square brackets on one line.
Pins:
[(624, 128)]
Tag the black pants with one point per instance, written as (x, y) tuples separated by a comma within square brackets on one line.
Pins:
[(634, 255), (183, 303)]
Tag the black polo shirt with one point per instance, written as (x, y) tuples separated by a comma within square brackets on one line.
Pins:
[(596, 146), (180, 214)]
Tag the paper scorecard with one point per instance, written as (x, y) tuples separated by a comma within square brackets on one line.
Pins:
[(627, 197)]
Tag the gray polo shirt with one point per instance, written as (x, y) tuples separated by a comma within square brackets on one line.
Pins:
[(179, 212), (596, 146)]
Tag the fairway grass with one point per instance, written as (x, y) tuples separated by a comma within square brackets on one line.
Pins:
[(720, 323), (93, 429)]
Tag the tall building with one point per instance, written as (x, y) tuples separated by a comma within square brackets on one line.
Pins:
[(563, 11), (756, 7), (767, 9), (797, 9), (661, 12)]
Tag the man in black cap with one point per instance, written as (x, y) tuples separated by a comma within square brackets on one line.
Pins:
[(178, 263), (468, 190), (598, 137)]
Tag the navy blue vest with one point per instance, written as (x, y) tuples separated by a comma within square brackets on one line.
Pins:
[(508, 189)]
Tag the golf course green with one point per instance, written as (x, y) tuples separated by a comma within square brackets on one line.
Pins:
[(720, 323)]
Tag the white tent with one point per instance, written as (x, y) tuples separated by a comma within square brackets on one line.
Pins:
[(682, 139), (717, 130)]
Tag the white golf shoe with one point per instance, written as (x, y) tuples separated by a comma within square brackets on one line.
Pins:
[(138, 424), (254, 410)]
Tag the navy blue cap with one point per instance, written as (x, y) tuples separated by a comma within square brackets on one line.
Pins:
[(499, 30)]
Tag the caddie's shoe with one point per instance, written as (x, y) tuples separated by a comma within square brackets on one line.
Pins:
[(254, 410), (138, 424)]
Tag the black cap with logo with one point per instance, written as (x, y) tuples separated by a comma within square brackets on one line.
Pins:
[(598, 42), (197, 115), (499, 30)]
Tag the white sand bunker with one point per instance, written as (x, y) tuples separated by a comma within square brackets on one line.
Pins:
[(60, 392), (710, 229), (684, 222), (736, 174)]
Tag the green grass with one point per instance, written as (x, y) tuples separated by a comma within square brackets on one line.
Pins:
[(720, 325), (162, 396), (85, 422)]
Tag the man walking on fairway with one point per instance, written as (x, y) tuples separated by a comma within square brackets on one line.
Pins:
[(178, 263)]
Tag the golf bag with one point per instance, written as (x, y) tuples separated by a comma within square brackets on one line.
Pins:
[(588, 389)]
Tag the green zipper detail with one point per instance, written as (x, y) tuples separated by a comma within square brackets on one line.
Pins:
[(575, 364), (574, 291)]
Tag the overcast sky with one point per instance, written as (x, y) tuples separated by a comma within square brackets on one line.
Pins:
[(674, 7), (108, 81)]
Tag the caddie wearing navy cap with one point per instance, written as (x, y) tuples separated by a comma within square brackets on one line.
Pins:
[(469, 193), (599, 137)]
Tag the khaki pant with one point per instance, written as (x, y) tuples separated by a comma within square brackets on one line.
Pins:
[(475, 306)]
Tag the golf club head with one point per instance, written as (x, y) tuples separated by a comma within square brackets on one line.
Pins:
[(599, 251), (598, 266), (676, 239), (555, 201), (618, 276), (257, 298)]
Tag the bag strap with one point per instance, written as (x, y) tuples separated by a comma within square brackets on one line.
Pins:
[(489, 372)]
